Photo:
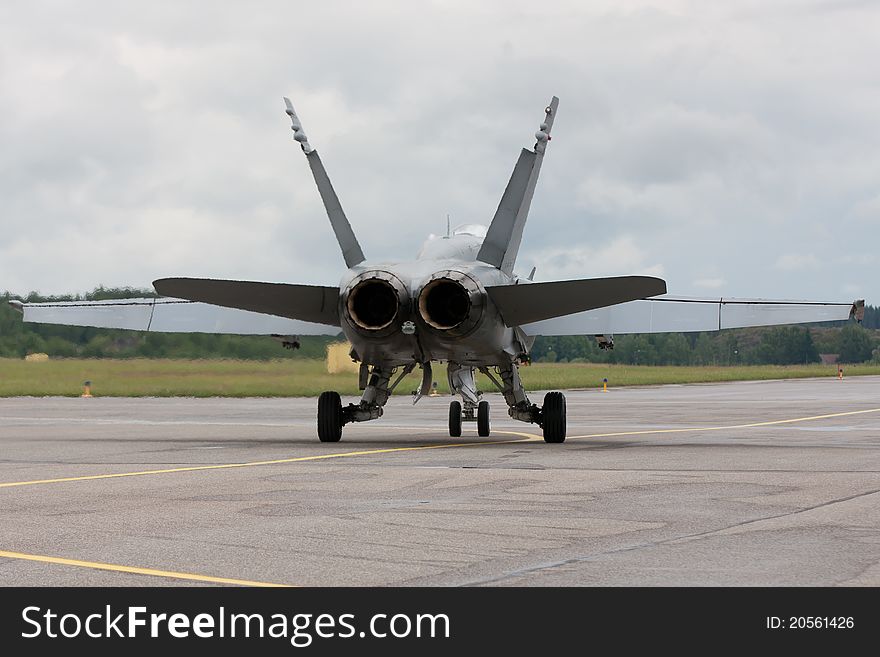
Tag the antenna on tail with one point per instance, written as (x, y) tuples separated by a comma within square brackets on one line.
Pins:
[(351, 250), (501, 245)]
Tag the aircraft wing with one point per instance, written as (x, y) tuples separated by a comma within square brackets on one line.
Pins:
[(167, 315), (668, 314)]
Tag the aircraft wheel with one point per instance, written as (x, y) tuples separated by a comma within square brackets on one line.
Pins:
[(553, 417), (483, 419), (329, 417), (455, 419)]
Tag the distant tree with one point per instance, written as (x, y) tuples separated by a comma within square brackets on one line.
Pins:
[(787, 345), (856, 345), (704, 351), (673, 348), (872, 317)]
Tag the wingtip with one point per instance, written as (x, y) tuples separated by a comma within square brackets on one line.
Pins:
[(158, 284), (858, 310)]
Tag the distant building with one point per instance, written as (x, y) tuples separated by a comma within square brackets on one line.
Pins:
[(829, 359)]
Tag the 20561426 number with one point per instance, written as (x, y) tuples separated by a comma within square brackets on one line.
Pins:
[(820, 622)]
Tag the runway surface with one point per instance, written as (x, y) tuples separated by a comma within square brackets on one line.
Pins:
[(764, 483)]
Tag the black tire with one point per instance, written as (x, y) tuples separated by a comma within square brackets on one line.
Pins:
[(455, 419), (553, 417), (329, 417), (483, 419)]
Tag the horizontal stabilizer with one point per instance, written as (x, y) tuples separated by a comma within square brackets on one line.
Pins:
[(686, 314), (533, 302), (309, 303), (166, 316)]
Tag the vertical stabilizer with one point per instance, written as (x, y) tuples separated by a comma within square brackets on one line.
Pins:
[(503, 239), (351, 250)]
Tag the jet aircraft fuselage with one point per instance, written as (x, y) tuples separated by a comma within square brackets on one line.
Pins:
[(434, 308)]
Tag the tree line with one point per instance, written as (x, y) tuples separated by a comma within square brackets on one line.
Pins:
[(782, 345)]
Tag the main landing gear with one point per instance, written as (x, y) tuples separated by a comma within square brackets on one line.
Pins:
[(377, 387), (550, 417)]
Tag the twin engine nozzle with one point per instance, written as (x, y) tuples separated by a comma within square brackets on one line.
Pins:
[(378, 302)]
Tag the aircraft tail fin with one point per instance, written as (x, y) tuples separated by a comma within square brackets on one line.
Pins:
[(502, 242), (351, 249)]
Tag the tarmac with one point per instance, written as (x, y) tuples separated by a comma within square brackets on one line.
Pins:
[(759, 483)]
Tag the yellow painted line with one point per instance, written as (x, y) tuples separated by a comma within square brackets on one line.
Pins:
[(523, 437), (134, 570), (727, 427), (250, 464)]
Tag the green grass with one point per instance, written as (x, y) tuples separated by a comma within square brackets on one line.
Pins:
[(298, 378)]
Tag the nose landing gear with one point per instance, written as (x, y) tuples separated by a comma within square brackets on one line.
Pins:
[(483, 419), (468, 413), (455, 419)]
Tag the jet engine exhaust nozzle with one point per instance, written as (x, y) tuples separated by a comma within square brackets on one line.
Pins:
[(444, 304), (452, 303), (372, 304)]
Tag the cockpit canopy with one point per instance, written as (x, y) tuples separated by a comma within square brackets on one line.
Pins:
[(474, 230), (462, 244)]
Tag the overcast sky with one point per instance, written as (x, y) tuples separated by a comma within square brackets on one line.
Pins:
[(731, 148)]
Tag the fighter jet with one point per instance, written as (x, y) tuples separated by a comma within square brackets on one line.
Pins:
[(459, 302)]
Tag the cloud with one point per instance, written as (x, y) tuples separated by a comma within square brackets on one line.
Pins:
[(796, 262), (709, 283), (622, 256), (142, 141), (868, 208)]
